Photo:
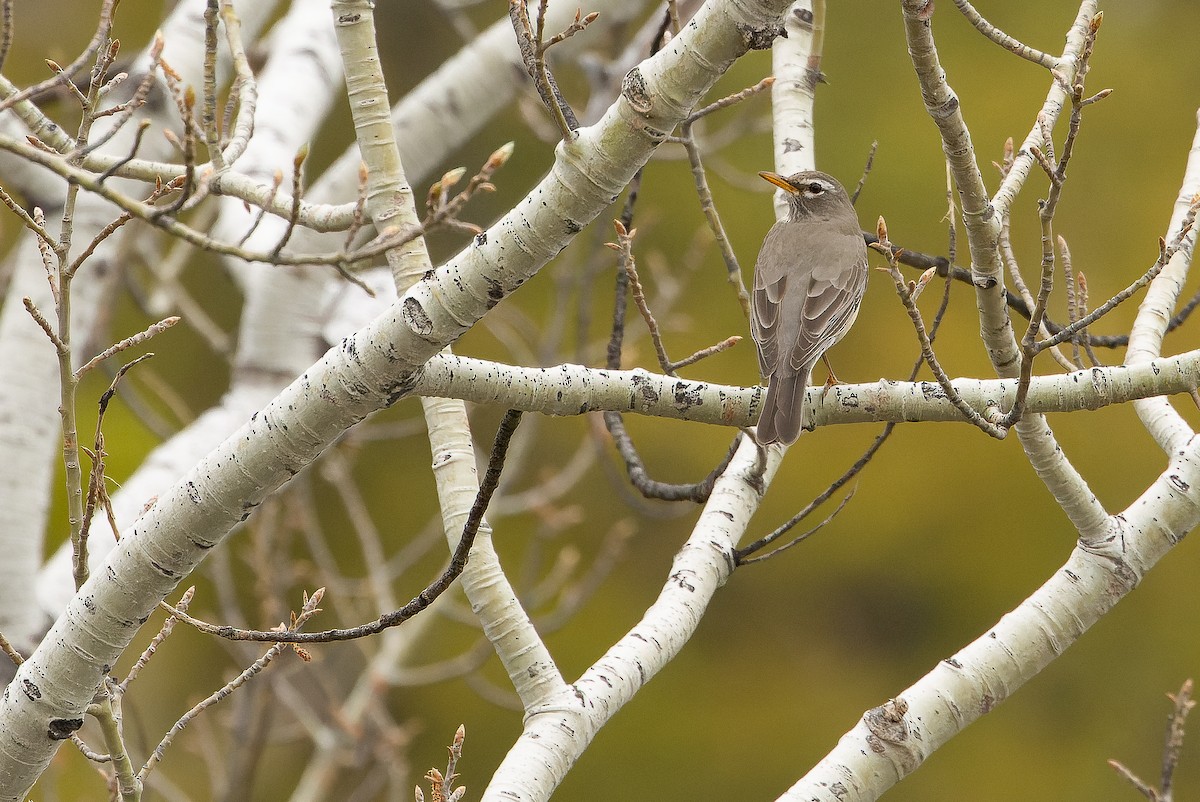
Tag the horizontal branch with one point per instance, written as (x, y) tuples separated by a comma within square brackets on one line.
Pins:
[(575, 390)]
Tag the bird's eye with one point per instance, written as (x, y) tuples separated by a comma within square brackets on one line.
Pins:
[(815, 188)]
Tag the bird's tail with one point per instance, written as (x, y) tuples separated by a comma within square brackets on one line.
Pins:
[(783, 408)]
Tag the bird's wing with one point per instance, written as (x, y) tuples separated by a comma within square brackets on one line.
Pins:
[(835, 290), (765, 303)]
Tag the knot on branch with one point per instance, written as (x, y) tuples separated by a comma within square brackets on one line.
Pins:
[(760, 38), (415, 317), (633, 89)]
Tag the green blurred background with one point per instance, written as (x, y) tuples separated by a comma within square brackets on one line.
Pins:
[(948, 530)]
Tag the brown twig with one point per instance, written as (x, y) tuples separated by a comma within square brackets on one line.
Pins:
[(64, 75), (1172, 749), (45, 325), (164, 632), (862, 181), (208, 113), (297, 193), (27, 219), (640, 478), (123, 112), (1081, 299), (730, 100), (906, 296), (97, 493), (533, 52), (624, 247), (1166, 252), (422, 601), (946, 267), (10, 651), (441, 786), (309, 609), (733, 270)]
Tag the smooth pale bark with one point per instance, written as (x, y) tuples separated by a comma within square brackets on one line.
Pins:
[(365, 372), (575, 390), (29, 399)]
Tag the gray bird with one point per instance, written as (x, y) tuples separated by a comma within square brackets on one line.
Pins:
[(809, 280)]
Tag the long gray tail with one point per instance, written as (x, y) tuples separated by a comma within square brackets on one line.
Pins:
[(783, 407)]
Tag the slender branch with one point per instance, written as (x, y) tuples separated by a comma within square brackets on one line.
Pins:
[(862, 181), (46, 326), (96, 491), (533, 52), (733, 270), (730, 100), (1164, 256), (906, 293), (1009, 43), (458, 561), (1172, 749), (163, 633), (309, 609)]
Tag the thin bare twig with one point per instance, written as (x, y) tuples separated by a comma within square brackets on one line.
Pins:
[(41, 320), (27, 219), (1004, 40), (1172, 749), (126, 344), (10, 651), (906, 296), (441, 785), (63, 75), (309, 609), (533, 52), (297, 193), (1166, 252), (422, 601), (97, 493), (730, 100), (862, 181), (163, 633)]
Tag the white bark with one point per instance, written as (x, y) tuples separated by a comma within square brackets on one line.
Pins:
[(575, 389), (892, 741), (792, 99), (557, 732), (29, 423), (1162, 421), (367, 371), (280, 323)]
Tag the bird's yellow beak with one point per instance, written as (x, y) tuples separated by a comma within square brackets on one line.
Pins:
[(778, 180)]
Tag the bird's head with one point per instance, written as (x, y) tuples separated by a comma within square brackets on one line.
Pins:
[(810, 192)]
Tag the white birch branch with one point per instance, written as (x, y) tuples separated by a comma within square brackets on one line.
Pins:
[(892, 741), (390, 202), (982, 221), (279, 329), (575, 389), (557, 733), (29, 423), (792, 99), (1163, 421)]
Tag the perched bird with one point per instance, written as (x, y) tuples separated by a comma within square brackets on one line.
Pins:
[(809, 280)]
